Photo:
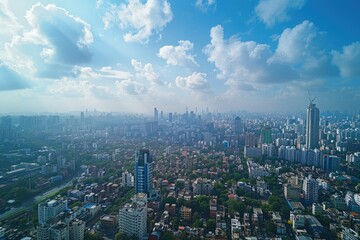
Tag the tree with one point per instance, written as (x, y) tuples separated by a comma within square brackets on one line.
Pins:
[(179, 185), (270, 228), (93, 236), (210, 225), (168, 236)]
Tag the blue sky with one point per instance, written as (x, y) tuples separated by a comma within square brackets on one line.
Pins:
[(133, 55)]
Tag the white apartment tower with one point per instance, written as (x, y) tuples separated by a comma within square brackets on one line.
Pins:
[(50, 209), (311, 190), (133, 217)]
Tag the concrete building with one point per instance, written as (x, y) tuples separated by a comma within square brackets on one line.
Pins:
[(312, 126), (185, 213), (202, 186), (349, 234), (77, 229), (133, 217), (127, 179), (50, 209), (311, 190), (143, 171)]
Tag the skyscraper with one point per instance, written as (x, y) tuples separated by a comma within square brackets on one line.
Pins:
[(312, 126), (237, 125), (143, 171), (156, 114)]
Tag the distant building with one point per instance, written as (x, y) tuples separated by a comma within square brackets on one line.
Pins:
[(237, 125), (143, 171), (202, 186), (330, 163), (127, 179), (349, 234), (59, 231), (311, 190), (109, 225), (76, 229), (48, 210), (312, 126), (133, 217), (185, 213)]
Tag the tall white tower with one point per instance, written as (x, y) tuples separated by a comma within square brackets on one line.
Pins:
[(133, 217)]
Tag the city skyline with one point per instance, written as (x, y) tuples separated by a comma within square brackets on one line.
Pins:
[(132, 56)]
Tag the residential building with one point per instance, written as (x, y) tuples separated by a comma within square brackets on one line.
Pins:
[(311, 190), (133, 216)]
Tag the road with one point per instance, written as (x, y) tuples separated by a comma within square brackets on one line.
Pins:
[(28, 204)]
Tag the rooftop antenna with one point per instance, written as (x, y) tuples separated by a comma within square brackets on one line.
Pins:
[(311, 100)]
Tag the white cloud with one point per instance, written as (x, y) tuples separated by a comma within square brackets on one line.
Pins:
[(51, 45), (177, 55), (244, 63), (272, 11), (196, 82), (296, 43), (105, 72), (300, 47), (140, 20), (204, 5), (131, 87), (348, 61), (145, 72), (8, 21)]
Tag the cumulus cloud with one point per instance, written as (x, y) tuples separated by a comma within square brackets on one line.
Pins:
[(145, 72), (196, 82), (67, 36), (11, 80), (272, 11), (204, 5), (53, 44), (177, 55), (348, 61), (140, 20), (300, 47), (245, 62), (131, 87)]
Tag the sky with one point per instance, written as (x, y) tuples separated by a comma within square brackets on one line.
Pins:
[(221, 55)]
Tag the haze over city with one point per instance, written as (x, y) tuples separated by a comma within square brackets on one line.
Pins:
[(129, 56)]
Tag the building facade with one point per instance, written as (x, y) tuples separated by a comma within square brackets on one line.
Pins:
[(312, 126), (143, 171)]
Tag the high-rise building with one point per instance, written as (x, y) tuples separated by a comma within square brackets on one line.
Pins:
[(156, 114), (237, 125), (311, 190), (267, 134), (133, 217), (312, 126), (143, 171), (330, 163)]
